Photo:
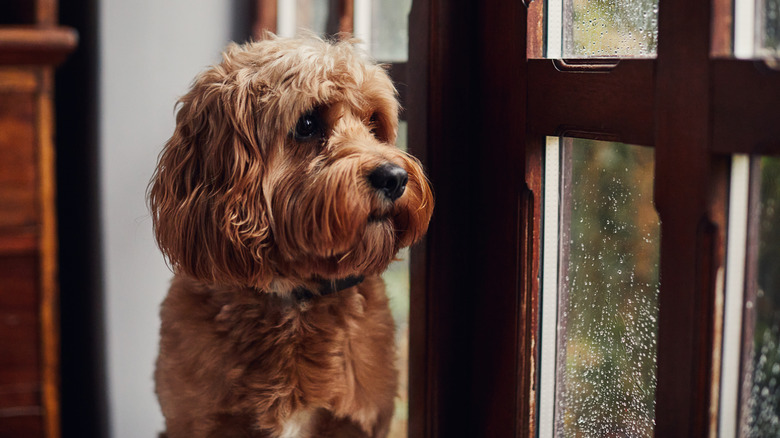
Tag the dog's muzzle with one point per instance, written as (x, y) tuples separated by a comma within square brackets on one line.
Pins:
[(390, 180)]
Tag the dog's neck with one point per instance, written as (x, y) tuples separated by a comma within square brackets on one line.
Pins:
[(326, 287)]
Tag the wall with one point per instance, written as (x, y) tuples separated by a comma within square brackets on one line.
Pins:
[(149, 52)]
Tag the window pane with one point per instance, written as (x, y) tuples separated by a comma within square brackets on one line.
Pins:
[(608, 293), (761, 379), (295, 17), (608, 28), (402, 136), (390, 29), (312, 15), (756, 29), (397, 283), (769, 20)]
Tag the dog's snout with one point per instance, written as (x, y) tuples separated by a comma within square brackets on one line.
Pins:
[(390, 180)]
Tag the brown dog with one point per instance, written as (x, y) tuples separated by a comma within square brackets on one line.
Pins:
[(278, 201)]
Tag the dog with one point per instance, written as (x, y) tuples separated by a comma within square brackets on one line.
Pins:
[(278, 201)]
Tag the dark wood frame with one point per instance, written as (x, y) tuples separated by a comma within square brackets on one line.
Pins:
[(466, 109)]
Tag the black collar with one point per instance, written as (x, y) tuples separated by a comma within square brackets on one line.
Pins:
[(327, 287)]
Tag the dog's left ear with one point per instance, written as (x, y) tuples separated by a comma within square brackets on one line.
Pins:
[(206, 196)]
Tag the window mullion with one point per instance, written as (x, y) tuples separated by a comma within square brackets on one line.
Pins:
[(685, 175)]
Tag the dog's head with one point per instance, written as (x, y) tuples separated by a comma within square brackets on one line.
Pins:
[(283, 165)]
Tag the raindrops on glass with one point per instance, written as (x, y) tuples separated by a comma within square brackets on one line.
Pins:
[(609, 299), (760, 416), (610, 28)]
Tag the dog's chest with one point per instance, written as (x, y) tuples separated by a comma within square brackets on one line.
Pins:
[(280, 366), (309, 354)]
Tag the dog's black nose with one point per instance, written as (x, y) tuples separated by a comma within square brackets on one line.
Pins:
[(390, 180)]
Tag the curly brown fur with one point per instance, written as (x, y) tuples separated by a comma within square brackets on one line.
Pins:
[(248, 210)]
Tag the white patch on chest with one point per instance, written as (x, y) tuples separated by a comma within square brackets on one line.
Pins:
[(299, 425)]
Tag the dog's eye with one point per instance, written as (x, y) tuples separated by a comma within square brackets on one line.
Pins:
[(376, 127), (309, 127), (373, 121)]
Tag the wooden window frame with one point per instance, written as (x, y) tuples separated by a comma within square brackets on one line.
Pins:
[(475, 300)]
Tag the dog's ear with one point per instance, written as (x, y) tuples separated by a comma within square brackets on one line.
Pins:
[(206, 196)]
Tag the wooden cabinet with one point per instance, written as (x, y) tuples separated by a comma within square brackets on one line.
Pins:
[(31, 45)]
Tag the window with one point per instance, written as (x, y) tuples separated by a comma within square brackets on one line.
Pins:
[(599, 29), (600, 277), (749, 404), (760, 395), (600, 290), (675, 95), (751, 363), (706, 228)]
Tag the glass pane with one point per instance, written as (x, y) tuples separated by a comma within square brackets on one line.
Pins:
[(769, 20), (312, 15), (401, 141), (390, 29), (608, 296), (397, 283), (761, 379), (609, 28)]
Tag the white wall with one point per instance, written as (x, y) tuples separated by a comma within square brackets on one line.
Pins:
[(150, 50)]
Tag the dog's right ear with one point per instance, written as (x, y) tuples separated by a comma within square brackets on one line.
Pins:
[(205, 197)]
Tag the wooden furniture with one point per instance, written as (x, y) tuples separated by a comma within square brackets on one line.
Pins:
[(31, 45)]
